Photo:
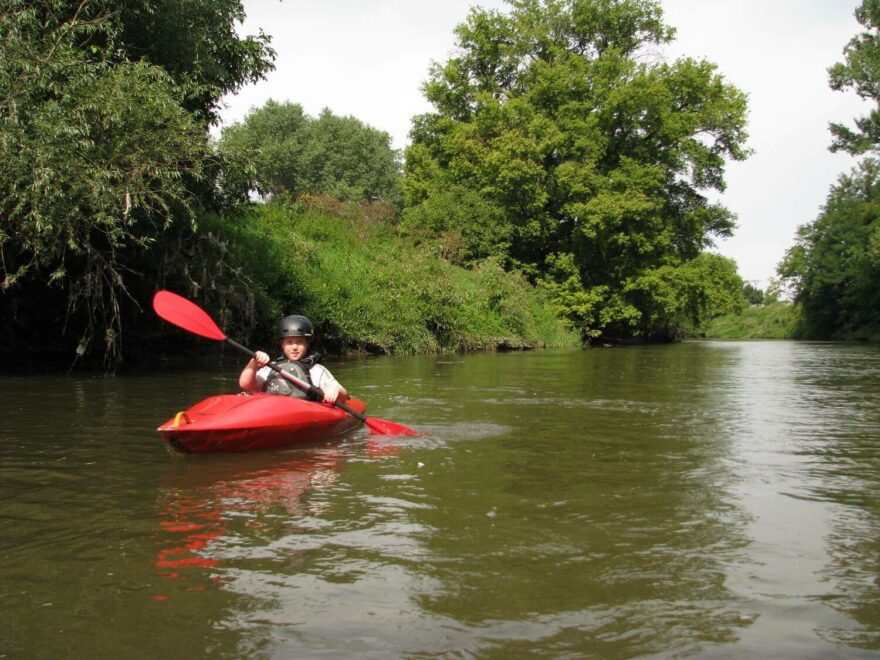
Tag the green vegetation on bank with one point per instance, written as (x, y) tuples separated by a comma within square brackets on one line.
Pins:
[(560, 174), (369, 290), (833, 269), (776, 320), (558, 191)]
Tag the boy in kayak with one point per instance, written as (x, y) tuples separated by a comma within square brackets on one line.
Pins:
[(295, 333)]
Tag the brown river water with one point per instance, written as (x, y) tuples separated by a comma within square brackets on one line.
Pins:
[(706, 499)]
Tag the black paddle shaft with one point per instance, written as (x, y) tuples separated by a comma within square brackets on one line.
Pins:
[(315, 391)]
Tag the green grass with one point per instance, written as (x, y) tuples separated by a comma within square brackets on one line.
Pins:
[(778, 320), (366, 289)]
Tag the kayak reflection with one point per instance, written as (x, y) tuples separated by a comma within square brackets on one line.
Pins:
[(205, 507)]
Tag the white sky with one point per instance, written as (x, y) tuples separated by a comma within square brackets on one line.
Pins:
[(369, 58)]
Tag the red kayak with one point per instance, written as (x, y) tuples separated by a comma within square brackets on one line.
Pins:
[(243, 422)]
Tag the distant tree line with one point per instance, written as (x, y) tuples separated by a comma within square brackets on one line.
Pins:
[(290, 153), (754, 295), (834, 267)]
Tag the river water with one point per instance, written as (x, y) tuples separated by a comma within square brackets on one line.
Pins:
[(709, 499)]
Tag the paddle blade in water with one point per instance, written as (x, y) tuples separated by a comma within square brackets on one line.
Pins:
[(384, 427), (187, 315)]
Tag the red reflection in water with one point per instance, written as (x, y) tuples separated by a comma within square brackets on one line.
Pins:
[(200, 497), (194, 540), (383, 446)]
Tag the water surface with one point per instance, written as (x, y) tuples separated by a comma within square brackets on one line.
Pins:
[(715, 499)]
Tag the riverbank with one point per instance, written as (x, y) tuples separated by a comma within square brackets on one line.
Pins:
[(777, 320), (370, 290)]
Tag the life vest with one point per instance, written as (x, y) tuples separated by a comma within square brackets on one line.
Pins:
[(277, 384)]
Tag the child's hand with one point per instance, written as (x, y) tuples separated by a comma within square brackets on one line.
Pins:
[(262, 359)]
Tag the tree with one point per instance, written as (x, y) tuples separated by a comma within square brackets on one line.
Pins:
[(293, 153), (834, 266), (860, 72), (196, 42), (753, 295), (99, 151), (597, 158), (270, 140), (677, 300)]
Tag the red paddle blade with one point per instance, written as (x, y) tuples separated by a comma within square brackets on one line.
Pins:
[(384, 427), (187, 315)]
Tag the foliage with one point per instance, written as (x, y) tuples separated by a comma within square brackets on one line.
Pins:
[(834, 266), (860, 72), (91, 163), (777, 290), (594, 157), (367, 290), (753, 295), (586, 309), (447, 219), (676, 300), (779, 320), (295, 154), (103, 140), (197, 43)]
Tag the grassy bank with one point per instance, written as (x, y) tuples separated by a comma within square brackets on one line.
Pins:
[(778, 320), (368, 290)]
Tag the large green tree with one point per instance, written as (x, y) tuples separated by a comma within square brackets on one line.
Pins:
[(101, 142), (597, 154), (291, 153)]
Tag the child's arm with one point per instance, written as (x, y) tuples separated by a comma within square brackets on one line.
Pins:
[(247, 381), (333, 390)]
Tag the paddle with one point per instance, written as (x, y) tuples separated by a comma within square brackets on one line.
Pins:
[(187, 315)]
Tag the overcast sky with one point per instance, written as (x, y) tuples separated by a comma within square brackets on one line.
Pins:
[(369, 58)]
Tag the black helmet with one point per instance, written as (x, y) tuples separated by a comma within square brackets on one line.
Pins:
[(295, 326)]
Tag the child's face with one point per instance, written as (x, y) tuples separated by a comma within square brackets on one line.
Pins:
[(294, 348)]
